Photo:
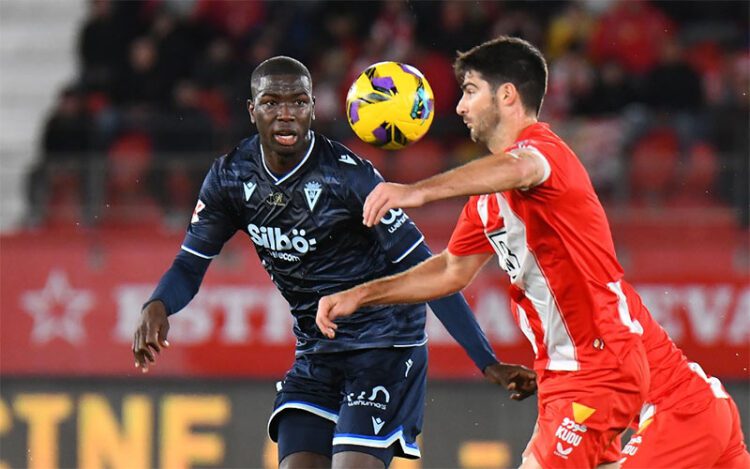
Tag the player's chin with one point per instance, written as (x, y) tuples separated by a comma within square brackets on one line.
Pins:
[(288, 150)]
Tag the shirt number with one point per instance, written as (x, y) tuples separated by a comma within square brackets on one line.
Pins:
[(508, 261)]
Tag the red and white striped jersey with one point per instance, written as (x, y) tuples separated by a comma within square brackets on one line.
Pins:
[(554, 242), (674, 380)]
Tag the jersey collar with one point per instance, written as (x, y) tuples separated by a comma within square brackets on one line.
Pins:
[(278, 180)]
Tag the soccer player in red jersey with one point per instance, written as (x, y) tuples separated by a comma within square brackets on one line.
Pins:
[(689, 419), (539, 213)]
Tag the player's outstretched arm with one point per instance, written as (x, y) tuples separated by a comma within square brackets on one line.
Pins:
[(177, 287), (493, 173), (151, 335), (436, 277)]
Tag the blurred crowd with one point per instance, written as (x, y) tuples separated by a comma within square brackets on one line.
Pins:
[(652, 95)]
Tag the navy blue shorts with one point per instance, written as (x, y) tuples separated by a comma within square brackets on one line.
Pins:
[(374, 398)]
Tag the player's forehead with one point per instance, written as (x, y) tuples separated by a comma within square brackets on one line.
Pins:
[(474, 79), (283, 85)]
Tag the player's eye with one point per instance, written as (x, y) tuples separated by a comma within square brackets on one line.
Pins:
[(269, 104)]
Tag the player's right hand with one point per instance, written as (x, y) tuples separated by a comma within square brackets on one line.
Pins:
[(517, 379), (151, 335), (387, 196)]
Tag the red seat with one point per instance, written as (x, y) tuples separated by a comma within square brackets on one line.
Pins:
[(698, 178), (653, 164), (127, 197)]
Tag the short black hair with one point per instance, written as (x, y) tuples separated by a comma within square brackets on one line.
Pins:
[(279, 65), (508, 60)]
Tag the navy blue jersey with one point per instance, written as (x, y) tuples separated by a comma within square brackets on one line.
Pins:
[(307, 230)]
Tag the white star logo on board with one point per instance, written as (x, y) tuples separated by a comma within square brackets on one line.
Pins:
[(312, 193), (57, 310)]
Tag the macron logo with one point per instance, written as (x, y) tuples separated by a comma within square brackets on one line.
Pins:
[(377, 424), (249, 189), (347, 159)]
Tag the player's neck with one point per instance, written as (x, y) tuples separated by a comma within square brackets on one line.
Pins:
[(280, 164), (508, 131)]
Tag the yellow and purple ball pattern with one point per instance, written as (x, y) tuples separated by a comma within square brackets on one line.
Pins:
[(390, 105)]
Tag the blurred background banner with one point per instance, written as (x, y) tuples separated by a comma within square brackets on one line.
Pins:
[(75, 299), (111, 113)]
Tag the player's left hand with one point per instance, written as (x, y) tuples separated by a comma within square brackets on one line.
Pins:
[(389, 195), (335, 306), (517, 379)]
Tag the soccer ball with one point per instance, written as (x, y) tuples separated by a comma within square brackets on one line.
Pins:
[(390, 105)]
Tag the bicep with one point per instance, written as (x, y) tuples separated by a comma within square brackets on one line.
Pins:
[(531, 166)]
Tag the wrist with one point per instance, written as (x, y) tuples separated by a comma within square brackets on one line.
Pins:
[(421, 193)]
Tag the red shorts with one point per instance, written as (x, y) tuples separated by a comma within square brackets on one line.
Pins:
[(711, 438), (587, 411)]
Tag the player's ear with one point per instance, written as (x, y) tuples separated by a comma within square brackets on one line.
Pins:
[(312, 112), (506, 93), (250, 109)]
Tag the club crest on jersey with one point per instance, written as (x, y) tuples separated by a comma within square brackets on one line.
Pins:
[(312, 193), (249, 188), (276, 198), (198, 207)]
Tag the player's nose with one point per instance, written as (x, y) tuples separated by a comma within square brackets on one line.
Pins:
[(460, 108), (285, 112)]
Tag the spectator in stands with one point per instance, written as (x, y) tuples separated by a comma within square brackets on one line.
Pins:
[(175, 47), (672, 84), (627, 33), (101, 46), (611, 92), (183, 137), (141, 84), (65, 146)]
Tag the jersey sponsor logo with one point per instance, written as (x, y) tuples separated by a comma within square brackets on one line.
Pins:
[(249, 188), (377, 424), (570, 432), (373, 400), (198, 207), (394, 219), (347, 159), (572, 425), (278, 243), (632, 447), (568, 436), (508, 260), (312, 193)]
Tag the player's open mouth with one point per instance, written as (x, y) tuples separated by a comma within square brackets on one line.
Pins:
[(285, 138)]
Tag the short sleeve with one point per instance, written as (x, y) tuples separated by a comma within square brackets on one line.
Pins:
[(396, 233), (212, 223), (468, 236)]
